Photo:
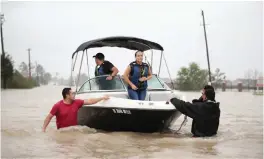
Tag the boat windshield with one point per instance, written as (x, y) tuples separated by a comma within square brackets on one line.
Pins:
[(155, 84), (100, 83)]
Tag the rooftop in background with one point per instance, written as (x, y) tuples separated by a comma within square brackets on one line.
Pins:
[(260, 82)]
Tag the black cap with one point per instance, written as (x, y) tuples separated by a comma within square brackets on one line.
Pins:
[(99, 56)]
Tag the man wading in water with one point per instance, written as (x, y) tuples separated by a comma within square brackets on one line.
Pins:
[(66, 110), (205, 112)]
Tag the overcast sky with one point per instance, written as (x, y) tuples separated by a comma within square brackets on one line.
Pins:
[(53, 30)]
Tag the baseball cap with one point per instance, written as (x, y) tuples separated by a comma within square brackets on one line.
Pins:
[(99, 56)]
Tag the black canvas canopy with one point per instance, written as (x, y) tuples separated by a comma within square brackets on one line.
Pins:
[(131, 43)]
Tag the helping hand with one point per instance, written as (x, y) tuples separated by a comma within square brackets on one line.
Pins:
[(134, 87), (106, 97)]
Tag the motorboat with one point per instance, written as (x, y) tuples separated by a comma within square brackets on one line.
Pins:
[(120, 113)]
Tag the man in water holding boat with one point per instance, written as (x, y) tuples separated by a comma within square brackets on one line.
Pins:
[(66, 110), (205, 112)]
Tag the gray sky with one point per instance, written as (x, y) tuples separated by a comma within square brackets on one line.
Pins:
[(55, 29)]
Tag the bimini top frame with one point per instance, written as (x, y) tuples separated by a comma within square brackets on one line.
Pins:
[(131, 43)]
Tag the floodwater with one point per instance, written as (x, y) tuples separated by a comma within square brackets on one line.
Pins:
[(23, 112)]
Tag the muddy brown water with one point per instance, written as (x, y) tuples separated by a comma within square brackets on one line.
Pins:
[(23, 111)]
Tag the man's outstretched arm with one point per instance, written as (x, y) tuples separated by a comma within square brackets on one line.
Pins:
[(95, 100), (186, 108)]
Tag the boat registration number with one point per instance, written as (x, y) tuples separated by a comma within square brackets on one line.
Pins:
[(121, 111)]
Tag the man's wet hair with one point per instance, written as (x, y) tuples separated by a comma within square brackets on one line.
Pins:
[(210, 93), (65, 91), (208, 87)]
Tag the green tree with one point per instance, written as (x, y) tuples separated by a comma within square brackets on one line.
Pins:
[(19, 81), (47, 77), (7, 69), (192, 77), (40, 74), (218, 78), (23, 68)]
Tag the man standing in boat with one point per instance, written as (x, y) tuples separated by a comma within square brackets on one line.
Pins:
[(104, 67), (205, 113), (66, 110)]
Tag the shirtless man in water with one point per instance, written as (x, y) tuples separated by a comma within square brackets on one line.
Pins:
[(66, 110)]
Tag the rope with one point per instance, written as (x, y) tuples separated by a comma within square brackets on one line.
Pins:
[(182, 124)]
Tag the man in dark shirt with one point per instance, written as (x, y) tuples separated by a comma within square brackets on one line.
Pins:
[(104, 67), (204, 112)]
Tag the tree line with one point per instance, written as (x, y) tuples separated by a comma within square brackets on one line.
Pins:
[(38, 73), (194, 77), (19, 78)]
